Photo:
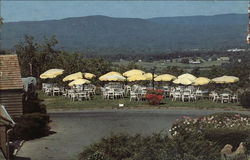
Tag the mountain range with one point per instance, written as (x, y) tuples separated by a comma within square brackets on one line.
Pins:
[(160, 33)]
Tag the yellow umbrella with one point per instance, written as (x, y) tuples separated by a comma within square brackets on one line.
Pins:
[(188, 76), (112, 78), (201, 81), (89, 75), (74, 76), (183, 81), (133, 72), (165, 77), (112, 73), (51, 73), (225, 79), (149, 76), (138, 77), (79, 82)]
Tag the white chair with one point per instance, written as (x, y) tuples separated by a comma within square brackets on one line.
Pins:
[(199, 94), (83, 96), (186, 96), (133, 95), (216, 97), (192, 97), (176, 96), (235, 98), (110, 94), (48, 91), (225, 98)]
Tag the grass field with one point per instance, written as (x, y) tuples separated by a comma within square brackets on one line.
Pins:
[(161, 65), (58, 102)]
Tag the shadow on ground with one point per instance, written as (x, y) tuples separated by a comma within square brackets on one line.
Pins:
[(21, 158)]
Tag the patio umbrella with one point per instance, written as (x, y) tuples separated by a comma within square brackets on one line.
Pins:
[(133, 72), (201, 81), (183, 81), (225, 79), (89, 75), (165, 77), (73, 76), (112, 73), (188, 76), (149, 76), (119, 78), (138, 77), (79, 82), (51, 73)]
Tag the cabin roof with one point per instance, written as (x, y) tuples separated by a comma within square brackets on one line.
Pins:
[(10, 75)]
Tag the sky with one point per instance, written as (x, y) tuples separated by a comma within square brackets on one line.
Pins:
[(13, 11)]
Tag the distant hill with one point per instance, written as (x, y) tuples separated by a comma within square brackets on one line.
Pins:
[(163, 33)]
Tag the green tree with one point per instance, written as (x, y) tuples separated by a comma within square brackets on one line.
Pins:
[(35, 58), (196, 72), (1, 20)]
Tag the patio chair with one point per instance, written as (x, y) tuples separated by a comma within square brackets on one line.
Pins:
[(110, 94), (192, 97), (216, 97), (83, 95), (176, 96), (72, 96), (186, 96), (133, 95), (225, 98), (199, 94), (234, 98), (56, 91), (48, 91), (65, 93)]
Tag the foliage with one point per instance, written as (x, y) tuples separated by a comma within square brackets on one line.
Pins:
[(1, 20), (32, 104), (154, 96), (30, 126), (192, 139), (36, 58), (245, 99), (219, 129), (35, 121), (185, 60), (247, 144), (127, 147)]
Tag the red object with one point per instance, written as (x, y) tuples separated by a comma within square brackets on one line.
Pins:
[(154, 97)]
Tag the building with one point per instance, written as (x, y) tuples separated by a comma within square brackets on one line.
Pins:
[(194, 61), (11, 89), (223, 59)]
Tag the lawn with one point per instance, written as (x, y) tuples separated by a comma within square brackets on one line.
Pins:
[(161, 65), (58, 102)]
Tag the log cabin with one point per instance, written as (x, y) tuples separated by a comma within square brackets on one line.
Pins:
[(11, 88)]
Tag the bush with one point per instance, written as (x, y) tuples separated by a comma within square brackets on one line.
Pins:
[(212, 132), (192, 139), (30, 126), (32, 104), (247, 144), (154, 96), (245, 99), (126, 147)]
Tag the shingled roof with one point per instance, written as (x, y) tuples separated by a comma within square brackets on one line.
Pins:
[(10, 75)]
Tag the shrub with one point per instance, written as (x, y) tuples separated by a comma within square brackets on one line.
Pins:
[(245, 99), (127, 147), (32, 104), (154, 96), (30, 126), (212, 132)]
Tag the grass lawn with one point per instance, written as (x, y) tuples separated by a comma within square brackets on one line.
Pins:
[(160, 65), (58, 102)]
